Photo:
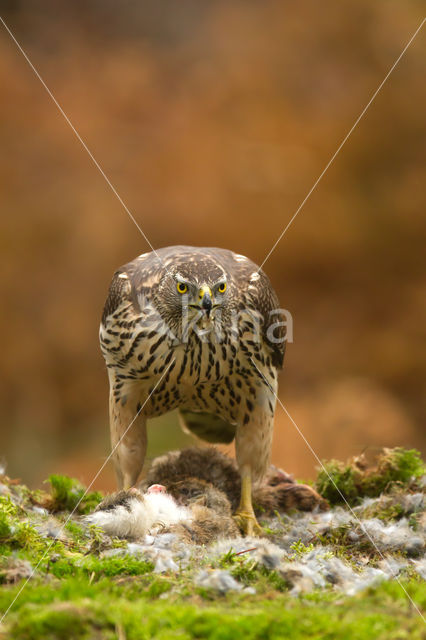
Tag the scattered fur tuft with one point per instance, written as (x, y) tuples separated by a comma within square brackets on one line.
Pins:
[(129, 514)]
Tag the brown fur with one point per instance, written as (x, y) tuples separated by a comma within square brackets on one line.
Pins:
[(206, 526), (288, 496), (192, 473), (211, 511), (193, 491), (208, 483), (203, 463), (119, 498)]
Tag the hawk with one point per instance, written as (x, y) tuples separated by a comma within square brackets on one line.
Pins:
[(196, 329)]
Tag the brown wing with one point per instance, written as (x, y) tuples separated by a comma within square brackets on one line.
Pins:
[(129, 280), (274, 331), (118, 291)]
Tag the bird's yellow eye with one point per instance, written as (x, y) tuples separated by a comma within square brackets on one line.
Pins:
[(181, 287), (222, 287)]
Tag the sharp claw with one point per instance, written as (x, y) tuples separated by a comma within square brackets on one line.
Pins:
[(248, 524)]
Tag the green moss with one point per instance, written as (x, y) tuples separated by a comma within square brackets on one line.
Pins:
[(300, 548), (68, 494), (395, 466), (250, 573), (79, 592), (15, 530), (5, 526), (338, 482), (76, 532), (93, 567), (64, 621), (385, 513), (384, 613), (7, 506), (159, 586)]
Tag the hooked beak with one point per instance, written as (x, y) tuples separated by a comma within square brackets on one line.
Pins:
[(205, 297)]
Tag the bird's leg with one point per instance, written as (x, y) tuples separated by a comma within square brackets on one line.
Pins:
[(128, 434), (244, 515), (253, 441)]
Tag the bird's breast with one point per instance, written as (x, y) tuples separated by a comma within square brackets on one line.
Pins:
[(200, 374)]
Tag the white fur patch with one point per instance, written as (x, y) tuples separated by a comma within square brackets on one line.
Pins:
[(141, 517)]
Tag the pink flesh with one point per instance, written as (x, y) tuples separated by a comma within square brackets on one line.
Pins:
[(156, 488)]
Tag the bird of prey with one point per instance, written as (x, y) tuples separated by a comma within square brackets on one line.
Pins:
[(196, 329)]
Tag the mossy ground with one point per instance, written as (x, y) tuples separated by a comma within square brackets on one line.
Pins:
[(76, 609), (77, 593), (339, 482)]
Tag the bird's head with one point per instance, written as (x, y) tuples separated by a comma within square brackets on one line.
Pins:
[(200, 298), (195, 293)]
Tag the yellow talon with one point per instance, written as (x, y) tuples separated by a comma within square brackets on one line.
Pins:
[(248, 524), (244, 515)]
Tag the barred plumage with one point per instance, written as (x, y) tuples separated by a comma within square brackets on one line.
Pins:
[(199, 330)]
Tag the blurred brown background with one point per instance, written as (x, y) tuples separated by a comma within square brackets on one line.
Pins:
[(213, 120)]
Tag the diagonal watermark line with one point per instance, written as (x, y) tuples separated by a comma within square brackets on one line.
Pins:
[(340, 493), (339, 148), (84, 494), (80, 139)]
